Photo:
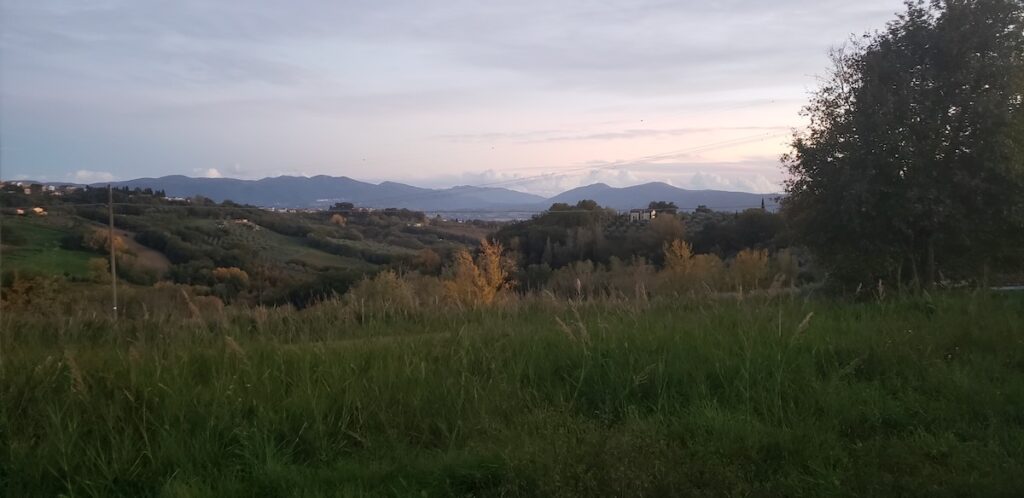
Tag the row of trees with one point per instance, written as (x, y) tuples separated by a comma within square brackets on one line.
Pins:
[(490, 278), (587, 232)]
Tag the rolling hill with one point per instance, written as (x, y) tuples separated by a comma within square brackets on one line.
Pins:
[(641, 195), (322, 191)]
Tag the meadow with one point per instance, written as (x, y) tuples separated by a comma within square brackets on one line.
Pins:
[(785, 396), (37, 248)]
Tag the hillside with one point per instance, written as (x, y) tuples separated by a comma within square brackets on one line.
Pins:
[(278, 257), (322, 191)]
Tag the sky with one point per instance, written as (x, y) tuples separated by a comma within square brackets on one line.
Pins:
[(538, 96)]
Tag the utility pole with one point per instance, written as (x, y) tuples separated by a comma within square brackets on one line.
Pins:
[(110, 241)]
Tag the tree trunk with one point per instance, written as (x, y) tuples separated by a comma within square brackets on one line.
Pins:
[(913, 271), (899, 278), (931, 262)]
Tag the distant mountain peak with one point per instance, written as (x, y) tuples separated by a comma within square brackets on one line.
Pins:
[(323, 190)]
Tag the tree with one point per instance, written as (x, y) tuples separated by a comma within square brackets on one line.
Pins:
[(428, 261), (663, 206), (677, 256), (913, 162), (665, 229), (230, 281), (480, 281), (99, 240)]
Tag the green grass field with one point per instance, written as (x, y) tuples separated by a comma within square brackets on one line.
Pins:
[(374, 246), (39, 251), (775, 398), (283, 248)]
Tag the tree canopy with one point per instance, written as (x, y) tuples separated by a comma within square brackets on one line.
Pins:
[(912, 166)]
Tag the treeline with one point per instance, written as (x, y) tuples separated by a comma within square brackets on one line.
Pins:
[(491, 277), (589, 236)]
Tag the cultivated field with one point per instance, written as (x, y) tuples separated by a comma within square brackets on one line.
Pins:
[(786, 397)]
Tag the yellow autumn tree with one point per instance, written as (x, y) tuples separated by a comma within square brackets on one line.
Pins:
[(464, 280), (98, 240), (231, 280), (478, 282), (494, 268), (689, 272), (677, 256)]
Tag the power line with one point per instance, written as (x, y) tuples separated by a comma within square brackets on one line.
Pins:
[(113, 259)]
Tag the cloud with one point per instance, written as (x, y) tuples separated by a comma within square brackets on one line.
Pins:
[(627, 134), (709, 181), (87, 176), (115, 84), (757, 184)]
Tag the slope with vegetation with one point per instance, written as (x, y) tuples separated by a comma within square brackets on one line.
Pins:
[(285, 257)]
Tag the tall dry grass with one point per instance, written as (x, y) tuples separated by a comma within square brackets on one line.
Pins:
[(541, 396)]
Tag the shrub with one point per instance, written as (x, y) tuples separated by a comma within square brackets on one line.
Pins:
[(707, 270), (384, 294), (688, 273), (99, 240), (427, 261), (787, 265), (99, 270), (230, 281), (587, 280), (749, 268)]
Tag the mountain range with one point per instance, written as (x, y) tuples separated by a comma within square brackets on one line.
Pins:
[(323, 191)]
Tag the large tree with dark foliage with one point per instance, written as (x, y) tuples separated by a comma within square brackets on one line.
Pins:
[(912, 167)]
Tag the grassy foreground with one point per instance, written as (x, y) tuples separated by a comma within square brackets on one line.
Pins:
[(537, 399)]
